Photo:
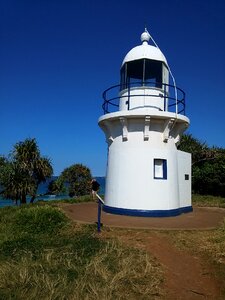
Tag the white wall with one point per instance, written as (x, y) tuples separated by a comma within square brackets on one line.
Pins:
[(130, 173), (147, 100), (132, 148), (184, 167)]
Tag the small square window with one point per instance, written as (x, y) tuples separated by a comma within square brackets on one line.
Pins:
[(160, 168), (186, 176)]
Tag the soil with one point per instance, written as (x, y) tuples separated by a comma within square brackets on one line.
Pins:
[(201, 218), (187, 276)]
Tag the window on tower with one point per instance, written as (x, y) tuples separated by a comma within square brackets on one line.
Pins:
[(160, 168), (153, 72), (141, 72)]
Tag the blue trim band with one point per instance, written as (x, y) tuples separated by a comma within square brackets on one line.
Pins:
[(147, 213)]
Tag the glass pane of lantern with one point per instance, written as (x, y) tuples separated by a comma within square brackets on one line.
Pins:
[(153, 72), (135, 72)]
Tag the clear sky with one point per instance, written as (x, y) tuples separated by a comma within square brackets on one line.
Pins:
[(58, 56)]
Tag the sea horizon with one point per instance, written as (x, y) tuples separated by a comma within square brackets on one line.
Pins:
[(42, 192)]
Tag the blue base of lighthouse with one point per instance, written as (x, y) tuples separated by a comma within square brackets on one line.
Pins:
[(147, 213)]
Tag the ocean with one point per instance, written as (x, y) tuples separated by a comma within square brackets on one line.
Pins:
[(43, 189)]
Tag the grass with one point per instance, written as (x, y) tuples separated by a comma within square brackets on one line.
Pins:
[(197, 200), (211, 242), (44, 256), (209, 201), (80, 199), (210, 245)]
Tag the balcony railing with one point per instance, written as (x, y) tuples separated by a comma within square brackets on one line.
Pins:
[(174, 97)]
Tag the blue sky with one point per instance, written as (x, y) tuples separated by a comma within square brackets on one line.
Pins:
[(58, 56)]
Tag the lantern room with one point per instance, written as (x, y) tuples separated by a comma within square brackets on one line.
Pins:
[(144, 73)]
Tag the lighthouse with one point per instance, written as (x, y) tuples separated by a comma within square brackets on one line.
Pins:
[(143, 120)]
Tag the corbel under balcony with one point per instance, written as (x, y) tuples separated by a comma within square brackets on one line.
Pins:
[(167, 127), (179, 131), (108, 132), (147, 128), (123, 122)]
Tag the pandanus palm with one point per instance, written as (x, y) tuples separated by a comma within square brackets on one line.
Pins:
[(42, 170), (17, 183), (24, 171), (26, 154)]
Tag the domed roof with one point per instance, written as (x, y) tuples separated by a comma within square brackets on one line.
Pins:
[(145, 51)]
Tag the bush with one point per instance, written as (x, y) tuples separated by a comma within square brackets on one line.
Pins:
[(39, 219)]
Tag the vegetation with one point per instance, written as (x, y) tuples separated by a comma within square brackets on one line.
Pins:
[(44, 256), (77, 178), (23, 171), (209, 244), (208, 166), (197, 200), (80, 199), (208, 201), (25, 168), (57, 186)]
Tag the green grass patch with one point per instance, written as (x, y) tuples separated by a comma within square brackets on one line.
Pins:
[(208, 201), (80, 199), (43, 255), (38, 220)]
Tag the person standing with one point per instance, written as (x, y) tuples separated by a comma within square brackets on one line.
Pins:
[(94, 188)]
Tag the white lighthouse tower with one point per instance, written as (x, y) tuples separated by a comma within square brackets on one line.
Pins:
[(143, 121)]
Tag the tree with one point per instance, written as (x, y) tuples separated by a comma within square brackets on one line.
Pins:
[(23, 171), (3, 161), (56, 186), (41, 171), (78, 178), (16, 182), (199, 150), (208, 166)]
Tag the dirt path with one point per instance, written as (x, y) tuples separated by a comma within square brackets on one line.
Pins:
[(200, 218), (187, 277)]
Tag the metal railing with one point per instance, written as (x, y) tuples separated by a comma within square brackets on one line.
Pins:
[(174, 97)]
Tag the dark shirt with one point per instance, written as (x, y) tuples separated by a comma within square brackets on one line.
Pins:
[(95, 186)]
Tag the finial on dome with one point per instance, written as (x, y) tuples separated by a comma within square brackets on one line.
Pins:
[(145, 37)]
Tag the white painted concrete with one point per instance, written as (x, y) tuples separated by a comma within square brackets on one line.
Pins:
[(144, 51), (136, 136), (152, 98)]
